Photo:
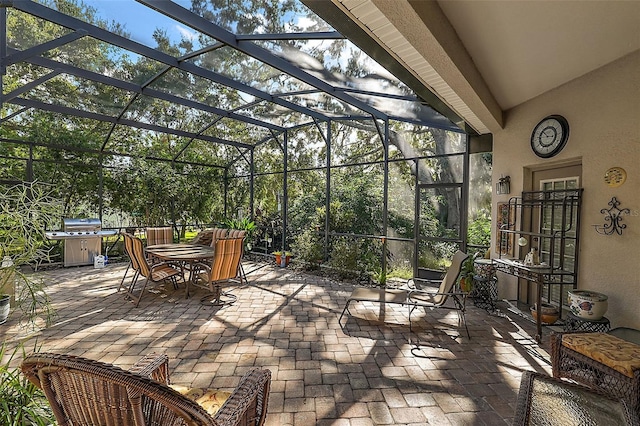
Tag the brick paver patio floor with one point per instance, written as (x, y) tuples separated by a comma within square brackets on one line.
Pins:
[(365, 372)]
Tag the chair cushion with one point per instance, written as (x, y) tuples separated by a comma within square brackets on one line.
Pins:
[(209, 399), (160, 272), (609, 350)]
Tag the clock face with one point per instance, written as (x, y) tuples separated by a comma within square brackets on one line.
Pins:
[(615, 176), (550, 136)]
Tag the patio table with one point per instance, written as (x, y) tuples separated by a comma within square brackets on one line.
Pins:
[(185, 253)]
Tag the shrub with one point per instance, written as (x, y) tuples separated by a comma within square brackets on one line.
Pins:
[(308, 247), (21, 402)]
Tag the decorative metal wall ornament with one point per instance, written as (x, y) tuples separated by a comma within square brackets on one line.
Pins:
[(504, 185), (613, 216)]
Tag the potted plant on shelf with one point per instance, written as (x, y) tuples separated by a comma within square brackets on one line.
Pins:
[(26, 211), (287, 257)]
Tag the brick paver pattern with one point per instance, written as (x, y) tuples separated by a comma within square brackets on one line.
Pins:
[(369, 371)]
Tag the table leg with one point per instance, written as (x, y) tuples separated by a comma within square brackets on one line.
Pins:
[(539, 283), (189, 281)]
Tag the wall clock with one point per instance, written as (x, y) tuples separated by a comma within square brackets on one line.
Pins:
[(549, 136), (615, 176)]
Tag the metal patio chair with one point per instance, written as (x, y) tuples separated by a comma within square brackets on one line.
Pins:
[(419, 298), (223, 269), (151, 271)]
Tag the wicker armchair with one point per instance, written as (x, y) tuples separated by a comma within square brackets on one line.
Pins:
[(86, 392)]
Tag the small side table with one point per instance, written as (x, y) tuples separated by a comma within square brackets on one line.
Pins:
[(575, 323), (485, 292)]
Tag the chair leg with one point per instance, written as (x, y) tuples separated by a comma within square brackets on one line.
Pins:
[(129, 289), (137, 299), (125, 276), (242, 274), (216, 298), (346, 309), (130, 293), (461, 307)]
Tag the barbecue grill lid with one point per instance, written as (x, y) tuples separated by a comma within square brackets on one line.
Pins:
[(68, 222)]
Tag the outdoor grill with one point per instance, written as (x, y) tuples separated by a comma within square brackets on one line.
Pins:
[(82, 240)]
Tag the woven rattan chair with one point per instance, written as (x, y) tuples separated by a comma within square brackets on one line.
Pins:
[(595, 373), (86, 392), (419, 298), (546, 401), (224, 268), (154, 272)]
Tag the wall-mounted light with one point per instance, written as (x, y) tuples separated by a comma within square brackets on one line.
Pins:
[(503, 186), (612, 218)]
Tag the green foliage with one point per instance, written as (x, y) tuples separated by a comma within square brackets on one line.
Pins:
[(480, 229), (21, 402), (354, 257), (245, 224), (404, 272), (345, 256), (308, 246), (153, 178), (26, 211)]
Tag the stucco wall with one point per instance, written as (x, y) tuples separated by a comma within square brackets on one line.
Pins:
[(603, 111)]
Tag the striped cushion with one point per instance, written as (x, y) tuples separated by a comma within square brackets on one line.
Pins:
[(209, 399), (162, 235), (161, 272)]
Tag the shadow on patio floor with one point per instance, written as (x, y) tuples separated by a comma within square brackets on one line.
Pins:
[(364, 373)]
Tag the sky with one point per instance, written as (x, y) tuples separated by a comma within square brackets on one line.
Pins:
[(139, 20)]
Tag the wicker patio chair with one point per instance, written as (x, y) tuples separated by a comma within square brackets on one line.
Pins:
[(601, 361), (154, 272), (419, 298), (87, 392), (224, 268), (547, 401)]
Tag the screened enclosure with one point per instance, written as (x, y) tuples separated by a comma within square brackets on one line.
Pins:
[(195, 112)]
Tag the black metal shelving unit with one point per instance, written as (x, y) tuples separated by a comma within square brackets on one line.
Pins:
[(550, 221)]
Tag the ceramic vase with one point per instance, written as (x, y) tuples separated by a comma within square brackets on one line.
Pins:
[(587, 304), (549, 313)]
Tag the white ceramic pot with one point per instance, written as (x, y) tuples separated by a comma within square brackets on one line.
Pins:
[(588, 304)]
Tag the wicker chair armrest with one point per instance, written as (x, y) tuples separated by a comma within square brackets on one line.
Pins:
[(154, 366), (248, 402)]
